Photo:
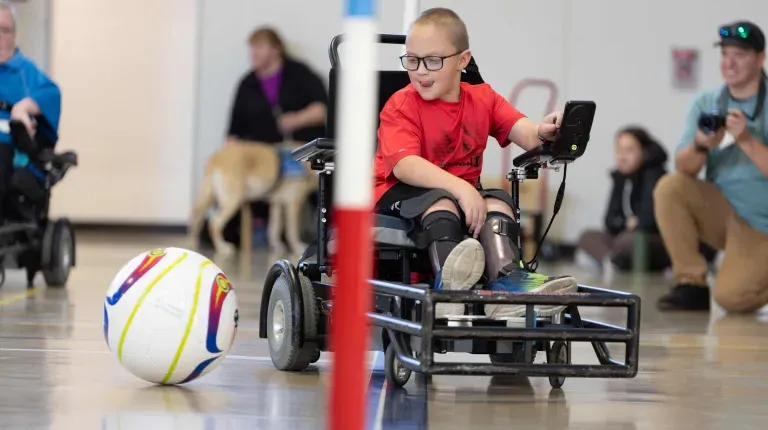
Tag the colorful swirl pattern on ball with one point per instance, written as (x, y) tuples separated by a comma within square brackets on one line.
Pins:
[(199, 369), (150, 261), (106, 325), (219, 291)]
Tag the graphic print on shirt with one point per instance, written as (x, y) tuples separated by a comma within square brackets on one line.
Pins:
[(466, 154), (467, 137)]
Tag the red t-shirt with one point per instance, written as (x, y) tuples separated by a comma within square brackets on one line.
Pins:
[(452, 136)]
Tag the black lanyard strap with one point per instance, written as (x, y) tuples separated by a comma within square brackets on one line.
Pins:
[(725, 95)]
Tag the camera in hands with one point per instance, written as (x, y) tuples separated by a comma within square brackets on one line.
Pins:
[(710, 123)]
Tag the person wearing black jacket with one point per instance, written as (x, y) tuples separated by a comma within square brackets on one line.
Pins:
[(640, 163), (279, 99)]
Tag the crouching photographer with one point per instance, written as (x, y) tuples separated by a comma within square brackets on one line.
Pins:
[(725, 133)]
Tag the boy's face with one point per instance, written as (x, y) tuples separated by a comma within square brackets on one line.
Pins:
[(428, 40)]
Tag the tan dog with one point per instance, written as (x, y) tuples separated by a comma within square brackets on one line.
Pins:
[(243, 171)]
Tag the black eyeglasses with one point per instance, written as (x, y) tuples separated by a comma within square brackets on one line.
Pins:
[(740, 31), (432, 63)]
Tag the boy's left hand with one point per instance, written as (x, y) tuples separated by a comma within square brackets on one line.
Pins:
[(547, 129)]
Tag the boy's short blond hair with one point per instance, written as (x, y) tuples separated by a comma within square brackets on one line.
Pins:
[(449, 21)]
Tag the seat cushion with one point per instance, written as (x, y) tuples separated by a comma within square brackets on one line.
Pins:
[(387, 230)]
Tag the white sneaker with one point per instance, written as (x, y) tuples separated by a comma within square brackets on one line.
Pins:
[(523, 281), (461, 271)]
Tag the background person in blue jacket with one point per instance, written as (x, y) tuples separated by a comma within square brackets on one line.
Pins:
[(26, 95)]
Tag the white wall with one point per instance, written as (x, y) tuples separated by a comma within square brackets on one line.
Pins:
[(177, 99), (127, 72), (34, 30)]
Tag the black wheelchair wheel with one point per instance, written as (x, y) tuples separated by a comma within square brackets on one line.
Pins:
[(59, 253), (558, 354), (397, 375), (2, 276), (283, 342)]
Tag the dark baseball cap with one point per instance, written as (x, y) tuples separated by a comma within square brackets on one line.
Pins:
[(744, 34)]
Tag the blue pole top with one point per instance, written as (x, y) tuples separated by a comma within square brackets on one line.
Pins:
[(360, 8)]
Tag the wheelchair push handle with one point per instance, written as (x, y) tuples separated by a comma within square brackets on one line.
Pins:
[(387, 39)]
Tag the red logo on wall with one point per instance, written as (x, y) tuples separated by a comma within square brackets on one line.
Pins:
[(685, 68)]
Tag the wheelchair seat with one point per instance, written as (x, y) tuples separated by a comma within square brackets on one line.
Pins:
[(387, 231)]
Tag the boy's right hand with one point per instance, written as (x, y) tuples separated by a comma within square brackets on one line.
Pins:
[(474, 208)]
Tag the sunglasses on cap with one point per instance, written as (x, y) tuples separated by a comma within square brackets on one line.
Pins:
[(738, 31)]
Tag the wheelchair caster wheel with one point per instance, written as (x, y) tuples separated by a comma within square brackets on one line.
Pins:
[(558, 354), (58, 253), (397, 375), (283, 341)]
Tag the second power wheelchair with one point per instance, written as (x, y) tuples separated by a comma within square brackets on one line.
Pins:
[(296, 305), (29, 238)]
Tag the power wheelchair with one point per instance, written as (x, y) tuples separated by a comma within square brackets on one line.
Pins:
[(29, 239), (296, 305)]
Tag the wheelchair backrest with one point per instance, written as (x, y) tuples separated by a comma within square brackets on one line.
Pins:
[(390, 81)]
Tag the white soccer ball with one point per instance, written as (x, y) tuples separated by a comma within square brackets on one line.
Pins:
[(170, 316)]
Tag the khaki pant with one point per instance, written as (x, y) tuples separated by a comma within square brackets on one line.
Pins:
[(688, 211)]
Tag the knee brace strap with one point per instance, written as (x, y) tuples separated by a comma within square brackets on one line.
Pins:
[(439, 225), (499, 239), (502, 224)]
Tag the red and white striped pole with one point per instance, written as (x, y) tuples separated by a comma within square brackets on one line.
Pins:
[(353, 189)]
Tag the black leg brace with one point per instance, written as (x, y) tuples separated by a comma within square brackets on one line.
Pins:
[(442, 232), (499, 239)]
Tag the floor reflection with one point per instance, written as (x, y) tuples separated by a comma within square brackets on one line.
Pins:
[(697, 370)]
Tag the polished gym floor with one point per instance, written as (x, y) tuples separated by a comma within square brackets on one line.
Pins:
[(697, 371)]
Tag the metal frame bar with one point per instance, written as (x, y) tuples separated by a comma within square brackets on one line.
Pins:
[(573, 329)]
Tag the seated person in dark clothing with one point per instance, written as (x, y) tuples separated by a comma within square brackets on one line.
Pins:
[(640, 163), (279, 99)]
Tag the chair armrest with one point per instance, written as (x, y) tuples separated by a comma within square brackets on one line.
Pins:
[(538, 155), (22, 139), (321, 149), (58, 160)]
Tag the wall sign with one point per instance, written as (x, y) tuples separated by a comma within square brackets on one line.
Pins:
[(685, 68)]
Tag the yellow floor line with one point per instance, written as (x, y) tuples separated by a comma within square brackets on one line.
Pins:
[(7, 300)]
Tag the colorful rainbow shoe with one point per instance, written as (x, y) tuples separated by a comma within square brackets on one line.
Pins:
[(524, 281)]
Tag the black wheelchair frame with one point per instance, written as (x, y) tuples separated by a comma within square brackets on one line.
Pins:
[(29, 238), (403, 318)]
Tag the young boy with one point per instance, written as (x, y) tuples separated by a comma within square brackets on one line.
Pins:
[(432, 135)]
